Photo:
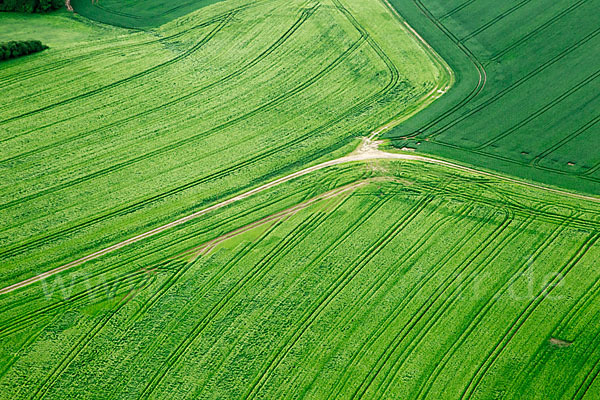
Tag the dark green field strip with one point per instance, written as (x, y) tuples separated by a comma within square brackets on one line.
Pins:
[(539, 139), (516, 84), (130, 14), (568, 150), (523, 27), (466, 96), (537, 30), (450, 111), (565, 141), (583, 84), (471, 124)]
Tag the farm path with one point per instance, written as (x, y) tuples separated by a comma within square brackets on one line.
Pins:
[(368, 150)]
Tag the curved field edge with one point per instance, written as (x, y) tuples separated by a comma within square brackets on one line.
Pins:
[(380, 278)]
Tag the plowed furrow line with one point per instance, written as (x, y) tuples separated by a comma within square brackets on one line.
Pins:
[(278, 251), (388, 352), (540, 28), (457, 9), (331, 293), (495, 20), (482, 312), (518, 322)]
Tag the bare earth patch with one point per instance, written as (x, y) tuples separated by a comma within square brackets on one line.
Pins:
[(560, 343)]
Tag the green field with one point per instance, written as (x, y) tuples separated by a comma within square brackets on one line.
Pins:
[(417, 283), (525, 100), (156, 125), (135, 13), (168, 160)]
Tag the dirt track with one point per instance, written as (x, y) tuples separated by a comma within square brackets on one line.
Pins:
[(367, 151)]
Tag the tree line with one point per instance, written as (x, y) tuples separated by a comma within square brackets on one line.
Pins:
[(15, 49), (31, 6)]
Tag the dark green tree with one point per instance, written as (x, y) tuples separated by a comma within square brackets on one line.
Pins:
[(15, 49)]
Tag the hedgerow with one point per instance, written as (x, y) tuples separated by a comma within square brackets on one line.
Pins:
[(14, 49)]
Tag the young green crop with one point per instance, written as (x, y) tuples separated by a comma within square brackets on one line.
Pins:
[(418, 283), (525, 100), (371, 279)]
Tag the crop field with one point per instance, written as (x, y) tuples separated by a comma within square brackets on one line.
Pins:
[(525, 101), (158, 124), (137, 14), (195, 202), (393, 280)]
